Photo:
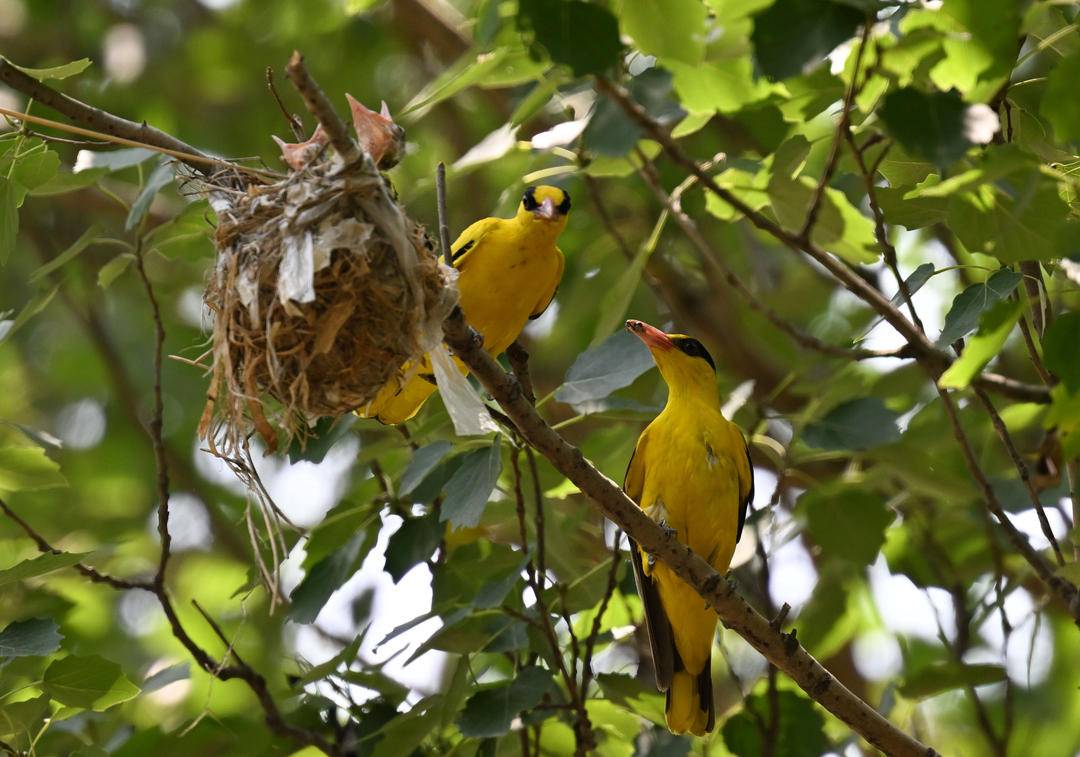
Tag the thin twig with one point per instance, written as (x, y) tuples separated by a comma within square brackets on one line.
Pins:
[(295, 124), (1022, 469), (838, 140), (440, 203)]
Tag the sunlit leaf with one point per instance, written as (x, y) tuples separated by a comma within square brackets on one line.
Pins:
[(994, 328), (90, 682), (57, 72), (670, 29), (1060, 106), (40, 566), (28, 469), (936, 678)]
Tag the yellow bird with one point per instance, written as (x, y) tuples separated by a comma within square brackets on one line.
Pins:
[(691, 473), (508, 271)]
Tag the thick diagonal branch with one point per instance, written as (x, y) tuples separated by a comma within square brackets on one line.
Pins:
[(780, 649)]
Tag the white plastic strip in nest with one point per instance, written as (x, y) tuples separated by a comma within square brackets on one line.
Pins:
[(296, 272), (464, 405)]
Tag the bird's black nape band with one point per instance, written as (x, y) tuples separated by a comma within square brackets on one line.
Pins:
[(564, 206), (694, 348), (528, 200)]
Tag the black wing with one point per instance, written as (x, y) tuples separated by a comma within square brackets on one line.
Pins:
[(745, 505)]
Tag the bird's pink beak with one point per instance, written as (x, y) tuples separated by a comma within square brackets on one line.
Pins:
[(547, 210), (654, 338)]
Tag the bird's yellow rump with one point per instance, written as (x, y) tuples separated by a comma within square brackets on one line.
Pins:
[(509, 269), (691, 473)]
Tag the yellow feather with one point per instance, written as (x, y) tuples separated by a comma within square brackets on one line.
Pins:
[(509, 269), (691, 474)]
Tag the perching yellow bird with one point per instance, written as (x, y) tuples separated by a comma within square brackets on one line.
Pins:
[(508, 271), (691, 473)]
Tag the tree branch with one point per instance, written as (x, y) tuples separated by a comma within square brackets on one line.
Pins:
[(95, 118), (782, 650), (320, 107)]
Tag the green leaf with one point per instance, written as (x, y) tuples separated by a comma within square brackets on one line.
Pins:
[(36, 169), (854, 425), (1022, 217), (28, 469), (89, 682), (1061, 349), (633, 694), (327, 433), (113, 268), (469, 489), (470, 69), (561, 26), (968, 306), (9, 217), (906, 207), (414, 542), (980, 46), (1060, 105), (489, 713), (801, 731), (56, 72), (751, 188), (726, 86), (326, 577), (34, 637), (847, 522), (915, 282), (994, 328), (939, 677), (40, 566), (114, 160), (87, 238), (792, 36), (669, 29), (405, 733), (159, 179), (616, 300), (614, 363), (840, 228), (181, 671), (23, 719), (423, 462), (343, 658), (930, 126), (38, 303)]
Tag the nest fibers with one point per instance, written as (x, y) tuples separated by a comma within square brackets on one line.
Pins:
[(323, 290)]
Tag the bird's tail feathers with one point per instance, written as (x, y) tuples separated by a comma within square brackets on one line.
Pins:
[(690, 705)]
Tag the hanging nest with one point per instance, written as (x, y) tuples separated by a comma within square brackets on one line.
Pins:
[(323, 290)]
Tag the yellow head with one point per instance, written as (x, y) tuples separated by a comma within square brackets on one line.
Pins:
[(544, 208), (683, 361)]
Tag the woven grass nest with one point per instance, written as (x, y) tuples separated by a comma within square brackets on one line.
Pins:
[(322, 291)]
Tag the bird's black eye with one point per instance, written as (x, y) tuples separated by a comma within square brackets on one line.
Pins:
[(694, 348), (564, 206), (528, 200)]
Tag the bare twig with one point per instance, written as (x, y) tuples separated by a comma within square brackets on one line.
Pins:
[(440, 200), (295, 124), (518, 358), (721, 595), (838, 140), (95, 118), (91, 573), (1022, 469)]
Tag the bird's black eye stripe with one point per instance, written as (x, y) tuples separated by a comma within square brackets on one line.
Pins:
[(455, 254), (529, 199), (694, 348), (564, 206)]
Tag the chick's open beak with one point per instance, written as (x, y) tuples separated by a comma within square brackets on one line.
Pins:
[(654, 338), (547, 210)]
